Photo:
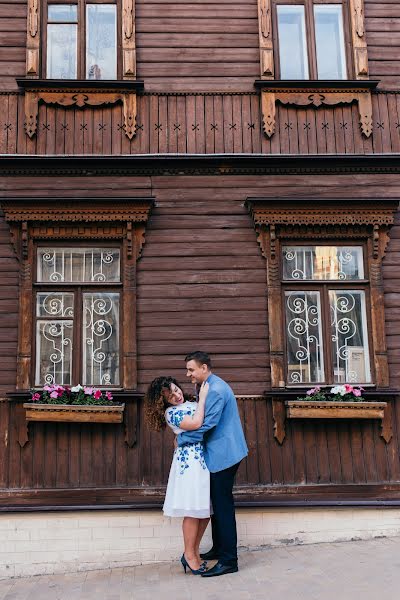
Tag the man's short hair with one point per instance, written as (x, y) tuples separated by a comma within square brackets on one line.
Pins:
[(200, 357)]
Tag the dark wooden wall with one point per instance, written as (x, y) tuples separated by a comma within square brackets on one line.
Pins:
[(202, 124), (201, 253), (204, 45)]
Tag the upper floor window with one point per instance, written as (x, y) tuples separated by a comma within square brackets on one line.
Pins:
[(311, 39), (81, 39)]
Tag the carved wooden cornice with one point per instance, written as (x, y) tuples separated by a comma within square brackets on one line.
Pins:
[(114, 218), (332, 213), (80, 94), (316, 94)]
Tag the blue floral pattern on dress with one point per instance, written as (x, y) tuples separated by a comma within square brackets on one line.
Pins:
[(174, 417), (184, 453)]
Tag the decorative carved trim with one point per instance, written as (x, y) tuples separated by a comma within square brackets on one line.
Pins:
[(279, 418), (128, 40), (73, 211), (80, 99), (33, 39), (265, 39), (359, 43), (315, 98), (284, 218)]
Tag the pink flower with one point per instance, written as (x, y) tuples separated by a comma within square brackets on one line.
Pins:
[(357, 392), (48, 388), (313, 390), (36, 396), (97, 394), (54, 394), (109, 396), (348, 388), (88, 390)]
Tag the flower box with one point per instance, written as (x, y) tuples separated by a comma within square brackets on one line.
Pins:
[(313, 409), (70, 413)]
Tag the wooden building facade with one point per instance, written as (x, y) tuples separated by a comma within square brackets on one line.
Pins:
[(235, 168)]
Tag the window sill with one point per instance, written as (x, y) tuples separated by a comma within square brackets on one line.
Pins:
[(315, 93), (79, 84)]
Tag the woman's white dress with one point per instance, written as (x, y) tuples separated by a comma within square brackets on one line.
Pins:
[(188, 489)]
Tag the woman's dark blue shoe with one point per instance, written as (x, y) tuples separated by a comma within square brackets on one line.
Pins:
[(186, 565)]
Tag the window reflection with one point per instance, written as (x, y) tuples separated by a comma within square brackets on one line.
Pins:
[(101, 41), (329, 39), (292, 42)]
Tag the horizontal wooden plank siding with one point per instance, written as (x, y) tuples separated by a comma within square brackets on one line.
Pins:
[(74, 456), (204, 46)]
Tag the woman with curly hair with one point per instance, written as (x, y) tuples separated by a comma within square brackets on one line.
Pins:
[(188, 489)]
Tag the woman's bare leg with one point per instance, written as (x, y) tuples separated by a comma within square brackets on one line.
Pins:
[(190, 528), (201, 529)]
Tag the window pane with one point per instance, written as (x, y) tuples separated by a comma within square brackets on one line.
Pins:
[(350, 353), (78, 265), (323, 262), (304, 337), (329, 39), (101, 339), (53, 352), (54, 305), (62, 13), (101, 41), (61, 51), (292, 42)]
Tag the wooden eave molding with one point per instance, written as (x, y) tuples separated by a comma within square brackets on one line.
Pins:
[(316, 94), (196, 164), (80, 94)]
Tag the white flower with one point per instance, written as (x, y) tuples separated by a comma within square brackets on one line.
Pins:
[(77, 388), (339, 389)]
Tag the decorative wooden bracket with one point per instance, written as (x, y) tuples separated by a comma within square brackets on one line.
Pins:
[(265, 39), (316, 94), (80, 94)]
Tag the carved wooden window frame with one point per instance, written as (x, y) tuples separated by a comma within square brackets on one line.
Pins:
[(81, 93), (309, 92), (126, 48), (357, 62), (364, 221), (105, 220)]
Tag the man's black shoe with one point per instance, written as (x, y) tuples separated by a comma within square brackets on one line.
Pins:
[(210, 555), (220, 569)]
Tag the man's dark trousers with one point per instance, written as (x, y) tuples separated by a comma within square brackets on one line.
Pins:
[(223, 521)]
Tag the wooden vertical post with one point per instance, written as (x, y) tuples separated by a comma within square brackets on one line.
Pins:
[(265, 39), (33, 39)]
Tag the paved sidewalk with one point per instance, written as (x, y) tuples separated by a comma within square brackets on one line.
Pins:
[(362, 570)]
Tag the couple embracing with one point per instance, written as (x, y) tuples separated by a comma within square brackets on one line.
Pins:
[(210, 445)]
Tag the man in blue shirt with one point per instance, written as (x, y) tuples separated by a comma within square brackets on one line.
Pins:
[(224, 448)]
